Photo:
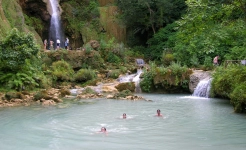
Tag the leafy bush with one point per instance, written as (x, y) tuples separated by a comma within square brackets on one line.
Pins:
[(84, 75), (230, 83), (112, 58), (123, 94), (208, 63), (88, 48), (15, 49), (147, 83), (175, 76), (93, 62), (167, 58), (62, 71), (238, 97), (17, 81), (113, 74)]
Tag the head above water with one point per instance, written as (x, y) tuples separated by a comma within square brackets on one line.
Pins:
[(103, 129), (124, 115)]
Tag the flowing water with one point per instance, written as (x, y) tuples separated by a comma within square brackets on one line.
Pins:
[(203, 88), (188, 123), (56, 31)]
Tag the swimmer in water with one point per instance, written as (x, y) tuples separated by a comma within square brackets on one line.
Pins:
[(124, 116), (159, 113), (104, 130)]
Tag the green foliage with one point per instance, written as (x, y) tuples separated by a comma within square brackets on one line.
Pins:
[(114, 74), (17, 81), (88, 91), (112, 58), (35, 22), (42, 94), (161, 43), (123, 94), (194, 61), (80, 15), (208, 29), (208, 63), (230, 83), (146, 17), (15, 49), (167, 58), (238, 97), (147, 84), (84, 75), (62, 71), (174, 76), (88, 49), (94, 62)]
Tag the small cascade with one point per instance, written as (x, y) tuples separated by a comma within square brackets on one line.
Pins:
[(140, 62), (56, 31), (133, 78), (136, 80), (203, 88)]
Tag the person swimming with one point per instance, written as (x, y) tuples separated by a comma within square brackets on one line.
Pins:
[(124, 116), (103, 129), (159, 113)]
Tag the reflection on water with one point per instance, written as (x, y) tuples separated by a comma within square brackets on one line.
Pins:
[(187, 123)]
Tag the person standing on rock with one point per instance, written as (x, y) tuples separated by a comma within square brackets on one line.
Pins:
[(45, 44), (67, 44), (216, 61), (58, 42), (51, 45)]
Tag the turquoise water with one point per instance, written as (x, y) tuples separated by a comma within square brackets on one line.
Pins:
[(188, 123)]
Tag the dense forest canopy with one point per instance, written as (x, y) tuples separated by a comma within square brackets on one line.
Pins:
[(144, 18), (193, 36)]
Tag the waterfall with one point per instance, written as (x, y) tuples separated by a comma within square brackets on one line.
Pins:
[(140, 62), (136, 80), (56, 31), (203, 88), (132, 78)]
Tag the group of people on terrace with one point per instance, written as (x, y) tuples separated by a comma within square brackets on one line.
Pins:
[(50, 45)]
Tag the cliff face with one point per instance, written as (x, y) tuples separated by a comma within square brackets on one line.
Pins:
[(4, 25), (108, 19), (13, 17)]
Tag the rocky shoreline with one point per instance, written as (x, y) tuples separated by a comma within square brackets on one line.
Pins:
[(54, 96), (108, 90)]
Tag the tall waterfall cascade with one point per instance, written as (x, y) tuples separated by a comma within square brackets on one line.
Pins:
[(56, 30), (203, 88)]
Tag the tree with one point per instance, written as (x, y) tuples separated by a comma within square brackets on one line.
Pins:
[(146, 17), (15, 49), (18, 57)]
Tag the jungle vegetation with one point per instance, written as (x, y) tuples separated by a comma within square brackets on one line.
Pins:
[(200, 31), (172, 35)]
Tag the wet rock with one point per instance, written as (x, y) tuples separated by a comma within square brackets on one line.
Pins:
[(48, 103), (126, 86), (110, 97), (196, 77), (94, 44)]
